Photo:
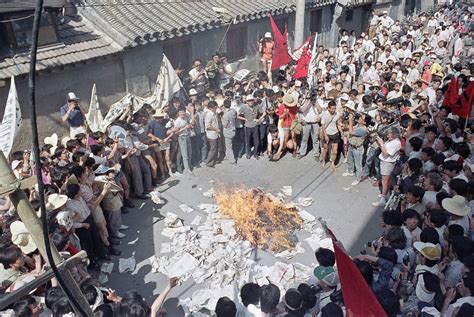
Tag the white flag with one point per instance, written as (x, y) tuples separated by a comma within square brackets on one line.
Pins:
[(94, 116), (11, 122), (167, 83), (313, 64)]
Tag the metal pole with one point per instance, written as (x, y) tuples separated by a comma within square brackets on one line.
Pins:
[(299, 22), (44, 278), (34, 227)]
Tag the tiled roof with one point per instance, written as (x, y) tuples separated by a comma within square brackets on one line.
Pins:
[(136, 22), (147, 22), (77, 42)]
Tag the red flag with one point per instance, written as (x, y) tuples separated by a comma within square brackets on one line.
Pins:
[(280, 50), (301, 70), (451, 95), (358, 297), (466, 101)]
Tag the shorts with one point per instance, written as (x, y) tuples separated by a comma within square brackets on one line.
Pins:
[(386, 168), (334, 138), (281, 134), (165, 146)]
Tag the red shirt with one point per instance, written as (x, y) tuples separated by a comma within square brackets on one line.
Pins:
[(288, 118)]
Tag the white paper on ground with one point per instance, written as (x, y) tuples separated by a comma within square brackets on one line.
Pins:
[(305, 201), (185, 208), (133, 241), (107, 267), (165, 247), (287, 190), (127, 264), (196, 221), (184, 265), (210, 193)]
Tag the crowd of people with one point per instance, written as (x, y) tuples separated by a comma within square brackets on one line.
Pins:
[(385, 108)]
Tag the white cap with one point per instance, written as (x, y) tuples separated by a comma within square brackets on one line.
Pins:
[(71, 96), (268, 35), (193, 92), (275, 89), (345, 97), (385, 12), (249, 97), (297, 83)]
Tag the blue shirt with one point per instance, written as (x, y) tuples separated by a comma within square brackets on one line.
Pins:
[(158, 129), (75, 118)]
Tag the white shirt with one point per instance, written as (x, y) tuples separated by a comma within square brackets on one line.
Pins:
[(393, 148), (211, 121)]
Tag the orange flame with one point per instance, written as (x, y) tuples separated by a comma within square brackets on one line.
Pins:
[(264, 222)]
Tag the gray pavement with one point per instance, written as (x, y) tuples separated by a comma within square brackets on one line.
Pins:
[(348, 213)]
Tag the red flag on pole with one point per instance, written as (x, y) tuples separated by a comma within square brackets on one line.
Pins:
[(358, 297), (280, 50), (301, 70), (466, 101)]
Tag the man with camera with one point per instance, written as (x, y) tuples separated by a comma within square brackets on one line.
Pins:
[(357, 137), (74, 115), (390, 153), (311, 117)]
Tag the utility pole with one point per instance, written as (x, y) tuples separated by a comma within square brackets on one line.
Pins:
[(299, 22), (10, 185)]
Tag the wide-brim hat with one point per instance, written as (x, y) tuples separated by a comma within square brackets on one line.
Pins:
[(456, 206), (428, 250), (65, 140), (159, 114), (289, 100), (22, 238), (56, 201), (15, 164), (53, 139)]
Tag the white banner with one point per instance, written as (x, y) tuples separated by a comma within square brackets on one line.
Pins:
[(313, 64), (94, 116), (167, 84), (11, 122), (116, 110)]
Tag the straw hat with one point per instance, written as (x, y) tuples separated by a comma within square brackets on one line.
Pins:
[(53, 139), (15, 164), (289, 100), (428, 250), (56, 201), (456, 205), (159, 114), (22, 238), (65, 140)]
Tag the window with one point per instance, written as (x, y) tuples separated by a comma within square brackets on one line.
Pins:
[(349, 15), (316, 21), (236, 43), (20, 30), (179, 53)]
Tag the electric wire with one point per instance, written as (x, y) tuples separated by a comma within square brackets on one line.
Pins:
[(36, 152)]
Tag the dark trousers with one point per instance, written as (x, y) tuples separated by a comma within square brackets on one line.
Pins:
[(251, 134), (203, 146), (90, 240), (212, 155), (262, 134), (239, 142)]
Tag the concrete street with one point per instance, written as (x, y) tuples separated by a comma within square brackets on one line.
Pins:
[(348, 213)]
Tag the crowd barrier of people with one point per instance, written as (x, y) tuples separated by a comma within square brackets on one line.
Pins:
[(388, 107)]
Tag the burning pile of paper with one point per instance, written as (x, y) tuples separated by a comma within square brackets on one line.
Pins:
[(218, 252), (265, 222)]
